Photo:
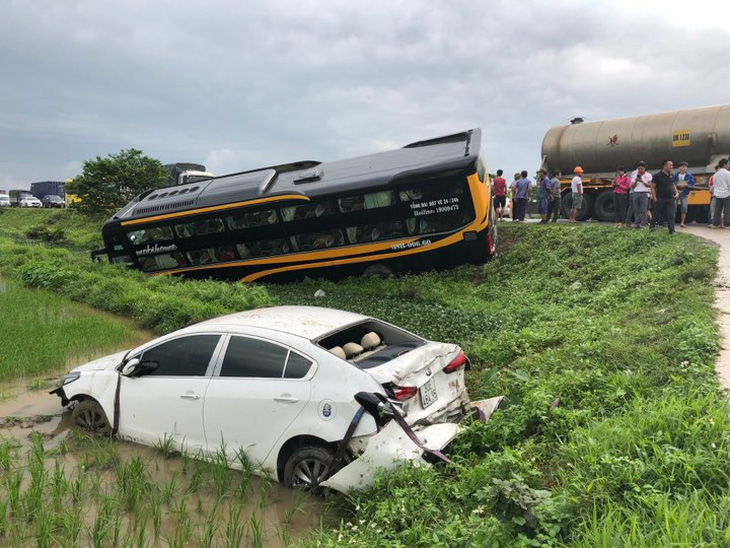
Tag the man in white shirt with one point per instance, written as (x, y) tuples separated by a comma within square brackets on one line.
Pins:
[(722, 194), (576, 194), (640, 187)]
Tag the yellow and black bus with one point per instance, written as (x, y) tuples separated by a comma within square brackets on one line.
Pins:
[(424, 206)]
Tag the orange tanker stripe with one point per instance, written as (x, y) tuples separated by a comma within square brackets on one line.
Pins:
[(215, 208)]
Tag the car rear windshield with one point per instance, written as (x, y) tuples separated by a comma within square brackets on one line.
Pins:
[(370, 343)]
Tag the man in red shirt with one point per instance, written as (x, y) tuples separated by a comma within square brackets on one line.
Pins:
[(499, 188)]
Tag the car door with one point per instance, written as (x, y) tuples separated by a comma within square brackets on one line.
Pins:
[(258, 390), (167, 403)]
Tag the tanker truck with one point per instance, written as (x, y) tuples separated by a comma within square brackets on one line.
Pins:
[(699, 136)]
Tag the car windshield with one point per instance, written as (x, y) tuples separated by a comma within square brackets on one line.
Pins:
[(370, 343)]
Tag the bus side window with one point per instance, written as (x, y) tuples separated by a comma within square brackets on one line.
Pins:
[(199, 228), (251, 219), (262, 248), (164, 261), (318, 240), (374, 232), (154, 234), (201, 256), (374, 200), (308, 211)]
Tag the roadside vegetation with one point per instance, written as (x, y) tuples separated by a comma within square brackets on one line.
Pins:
[(603, 340), (41, 332)]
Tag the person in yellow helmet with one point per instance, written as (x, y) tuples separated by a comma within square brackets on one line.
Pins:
[(576, 187)]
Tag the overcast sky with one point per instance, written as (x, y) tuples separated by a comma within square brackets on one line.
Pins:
[(240, 85)]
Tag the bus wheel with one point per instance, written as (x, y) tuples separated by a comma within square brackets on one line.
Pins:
[(379, 270), (604, 209)]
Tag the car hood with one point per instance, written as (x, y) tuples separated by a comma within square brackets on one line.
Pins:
[(107, 362), (434, 353)]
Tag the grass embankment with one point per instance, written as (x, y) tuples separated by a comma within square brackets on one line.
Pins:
[(63, 227), (602, 339), (604, 342), (41, 332)]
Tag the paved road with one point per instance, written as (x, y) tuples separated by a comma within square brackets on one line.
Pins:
[(722, 294)]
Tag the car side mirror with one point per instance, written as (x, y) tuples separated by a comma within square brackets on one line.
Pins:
[(130, 367)]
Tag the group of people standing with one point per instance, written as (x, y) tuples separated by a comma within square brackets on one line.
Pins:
[(549, 195), (640, 198), (649, 199)]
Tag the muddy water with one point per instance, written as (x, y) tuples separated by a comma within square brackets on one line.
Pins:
[(283, 515)]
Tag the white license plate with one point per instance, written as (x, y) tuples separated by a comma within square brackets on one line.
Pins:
[(428, 393)]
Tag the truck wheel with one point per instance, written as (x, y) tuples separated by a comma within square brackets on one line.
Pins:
[(604, 209), (306, 467), (586, 211), (567, 203), (88, 415)]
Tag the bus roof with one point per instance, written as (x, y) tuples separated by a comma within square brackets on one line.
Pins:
[(311, 178)]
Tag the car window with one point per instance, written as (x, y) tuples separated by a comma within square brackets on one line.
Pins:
[(253, 358), (297, 366), (183, 357)]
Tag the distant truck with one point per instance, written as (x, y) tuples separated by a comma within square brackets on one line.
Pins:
[(699, 136), (43, 188), (183, 173), (23, 198)]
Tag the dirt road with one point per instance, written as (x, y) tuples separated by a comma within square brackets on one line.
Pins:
[(722, 294)]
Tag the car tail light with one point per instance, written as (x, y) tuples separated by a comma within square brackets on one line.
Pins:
[(403, 393), (459, 362)]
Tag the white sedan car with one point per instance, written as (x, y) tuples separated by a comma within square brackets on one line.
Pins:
[(288, 386)]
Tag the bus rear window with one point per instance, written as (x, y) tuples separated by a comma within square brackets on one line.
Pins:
[(154, 234), (438, 206)]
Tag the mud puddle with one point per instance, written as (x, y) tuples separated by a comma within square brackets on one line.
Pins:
[(179, 497)]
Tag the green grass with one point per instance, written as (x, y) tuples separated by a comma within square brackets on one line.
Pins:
[(41, 332), (602, 339), (55, 226)]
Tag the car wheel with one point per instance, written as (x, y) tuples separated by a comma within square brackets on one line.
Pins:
[(88, 415), (306, 467)]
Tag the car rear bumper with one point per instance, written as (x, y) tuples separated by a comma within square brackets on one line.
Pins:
[(392, 445)]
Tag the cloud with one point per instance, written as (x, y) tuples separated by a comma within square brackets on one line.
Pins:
[(242, 85)]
